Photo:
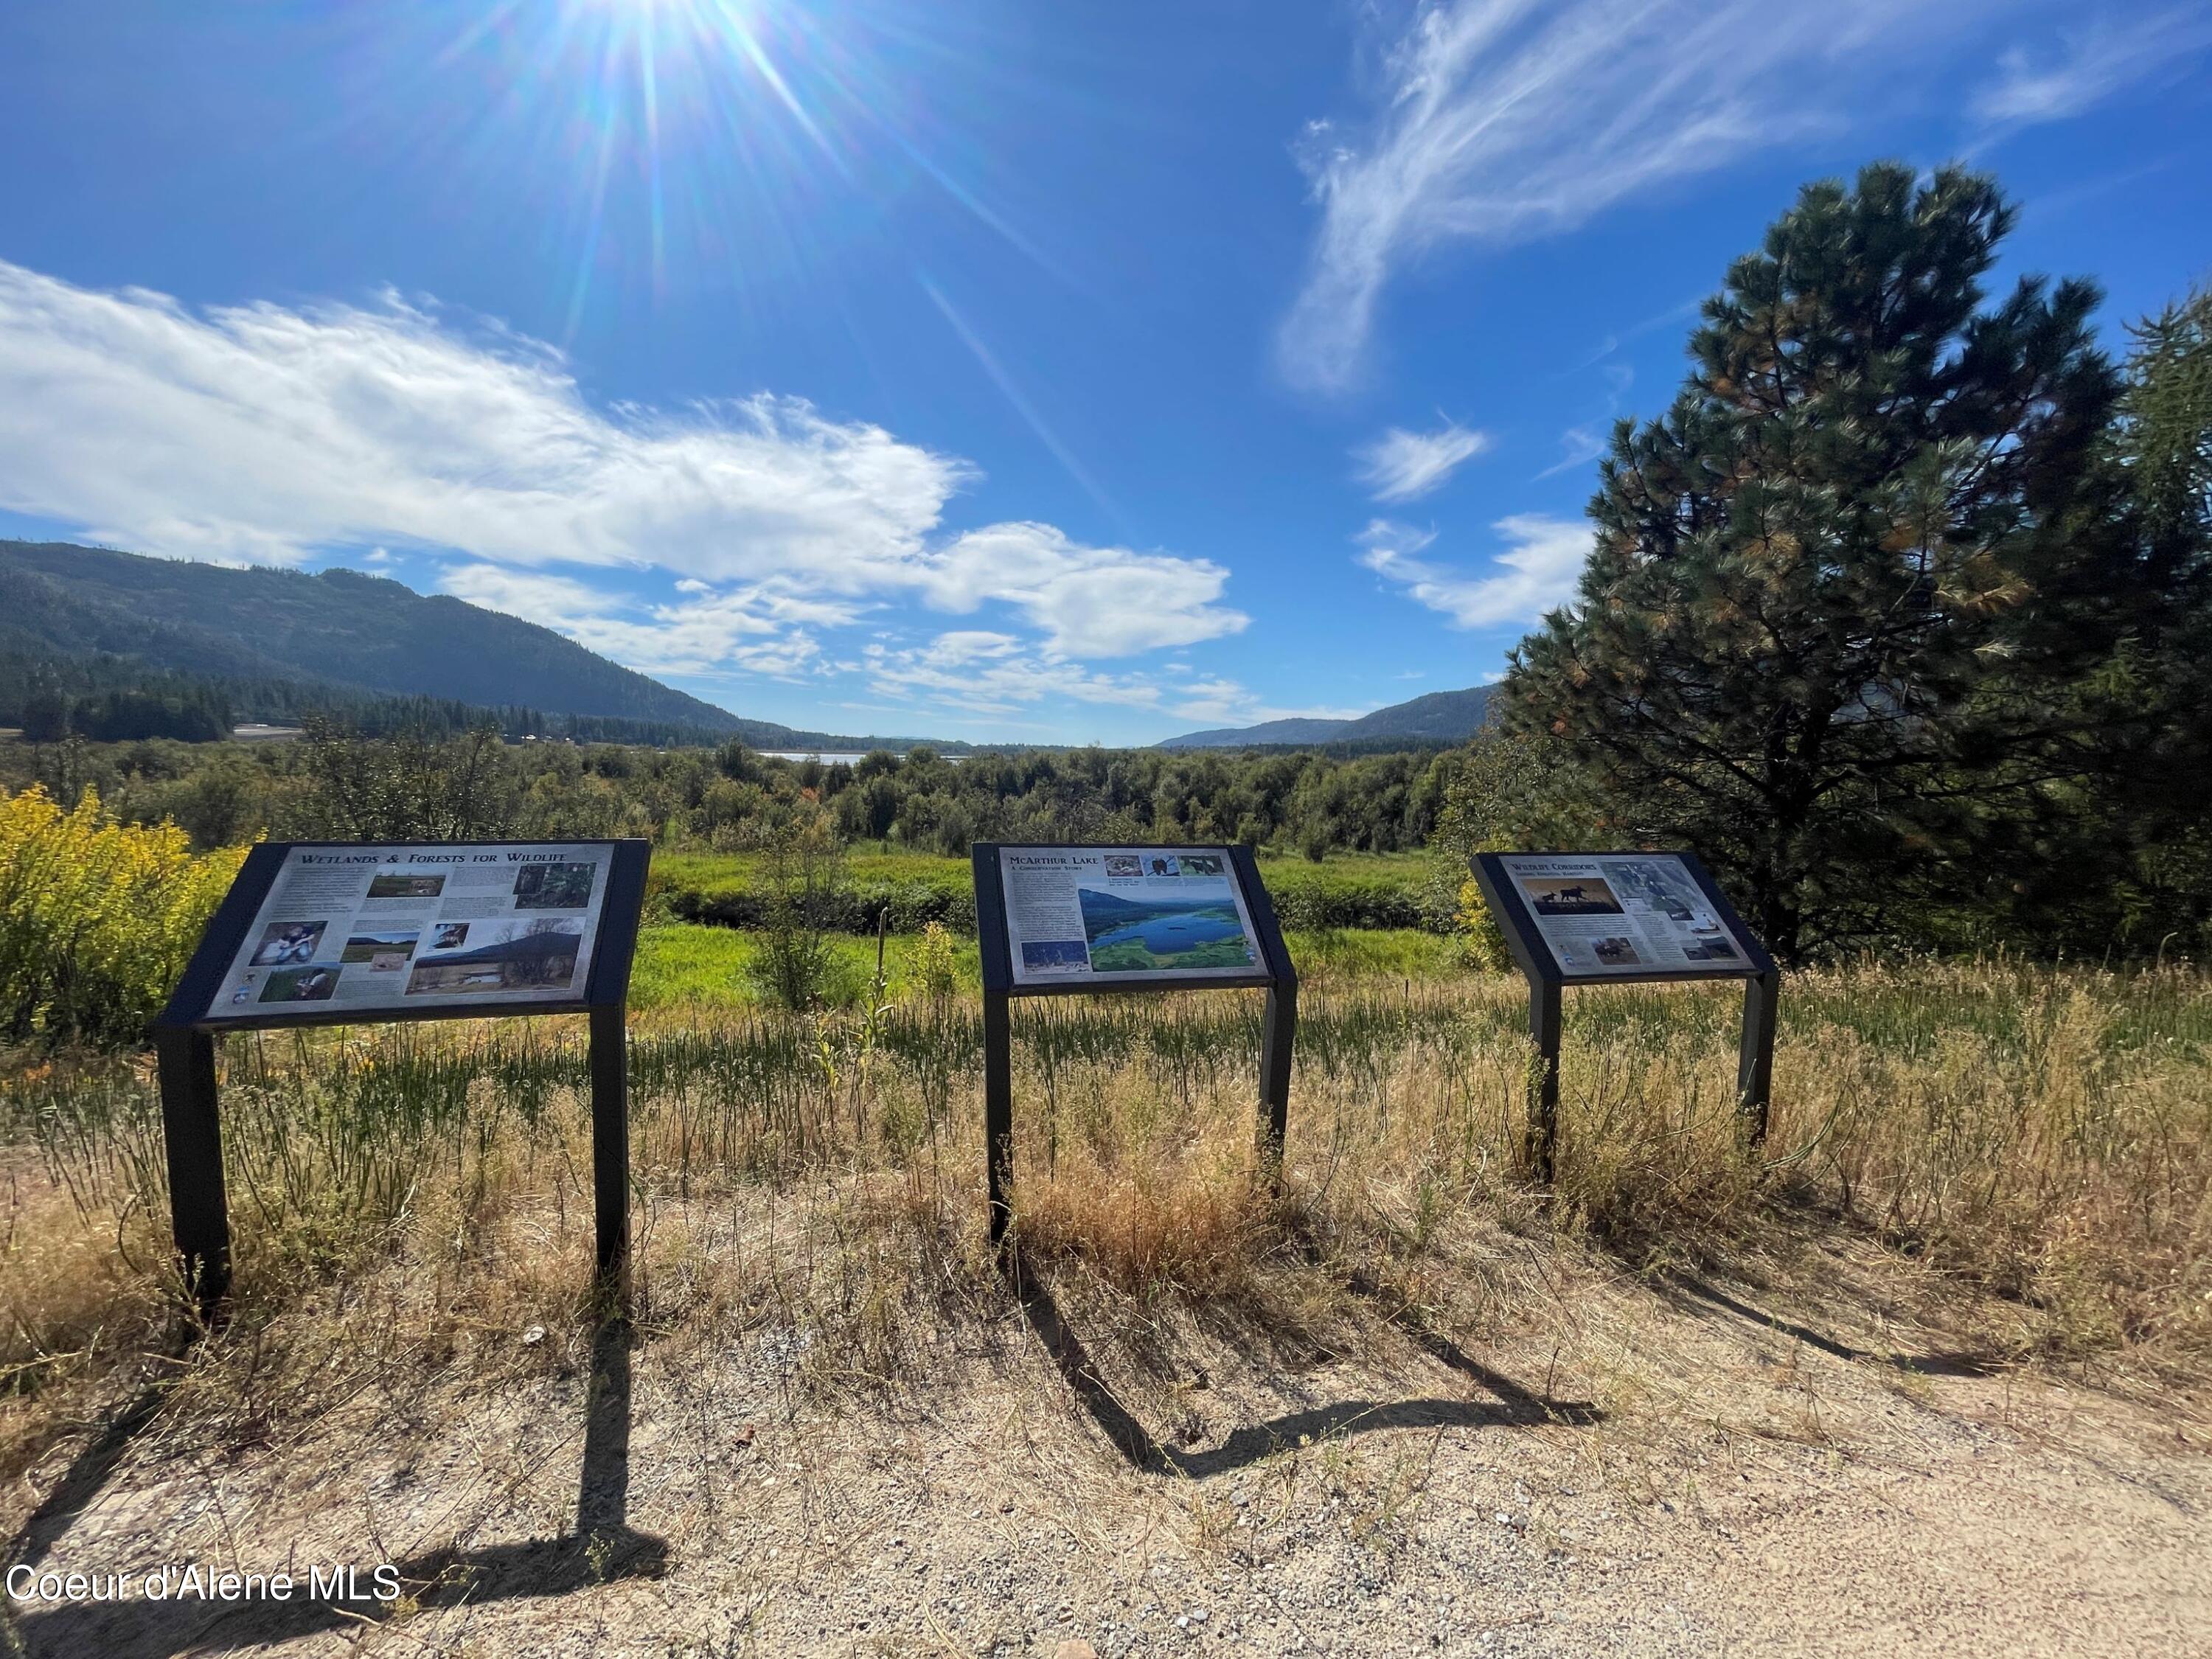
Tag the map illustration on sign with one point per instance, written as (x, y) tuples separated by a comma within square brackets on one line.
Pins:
[(386, 929), (1082, 913), (1623, 913)]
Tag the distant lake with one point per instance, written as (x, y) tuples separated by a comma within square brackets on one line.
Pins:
[(1170, 935)]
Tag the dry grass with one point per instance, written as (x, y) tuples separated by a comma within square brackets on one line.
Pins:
[(408, 1200)]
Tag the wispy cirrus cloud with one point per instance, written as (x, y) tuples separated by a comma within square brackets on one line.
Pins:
[(1536, 574), (1578, 446), (1404, 466), (269, 433), (1494, 121), (2088, 64)]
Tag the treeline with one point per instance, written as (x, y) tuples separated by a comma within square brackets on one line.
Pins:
[(116, 700), (1313, 803), (346, 783)]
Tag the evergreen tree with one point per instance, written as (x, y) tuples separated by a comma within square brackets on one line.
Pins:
[(45, 716), (2153, 793), (1840, 592)]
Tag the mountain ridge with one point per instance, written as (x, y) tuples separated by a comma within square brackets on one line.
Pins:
[(349, 632), (1434, 716), (342, 627)]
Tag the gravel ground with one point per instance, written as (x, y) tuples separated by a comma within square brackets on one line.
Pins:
[(1691, 1473)]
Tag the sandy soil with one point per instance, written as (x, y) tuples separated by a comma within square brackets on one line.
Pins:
[(1685, 1468)]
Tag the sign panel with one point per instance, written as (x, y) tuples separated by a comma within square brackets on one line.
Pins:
[(1625, 912), (1111, 915), (390, 930)]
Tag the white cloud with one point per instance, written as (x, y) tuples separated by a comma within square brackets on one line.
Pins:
[(2090, 66), (1090, 601), (1536, 573), (1578, 445), (755, 630), (982, 672), (1499, 120), (953, 671), (1403, 467), (263, 433)]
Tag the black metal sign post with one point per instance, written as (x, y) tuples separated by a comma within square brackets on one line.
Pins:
[(1727, 951), (1274, 973), (185, 1046)]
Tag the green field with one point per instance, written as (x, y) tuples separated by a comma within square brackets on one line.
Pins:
[(687, 965), (1346, 890)]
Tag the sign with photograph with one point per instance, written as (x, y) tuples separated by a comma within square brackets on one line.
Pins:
[(1052, 920), (384, 930), (1639, 914), (1098, 914)]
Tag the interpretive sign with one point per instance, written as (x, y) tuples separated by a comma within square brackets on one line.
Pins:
[(379, 932), (1052, 921), (333, 933), (1112, 915), (1615, 914), (1587, 918)]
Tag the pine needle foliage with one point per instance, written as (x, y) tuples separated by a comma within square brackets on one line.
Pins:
[(1846, 592)]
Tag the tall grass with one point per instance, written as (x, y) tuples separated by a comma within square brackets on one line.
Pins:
[(2047, 1134)]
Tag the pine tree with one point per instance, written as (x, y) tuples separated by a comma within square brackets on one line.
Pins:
[(2152, 790), (1838, 592)]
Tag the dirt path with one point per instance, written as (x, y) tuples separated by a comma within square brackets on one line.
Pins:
[(1677, 1472)]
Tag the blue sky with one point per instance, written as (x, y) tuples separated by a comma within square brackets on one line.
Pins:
[(975, 368)]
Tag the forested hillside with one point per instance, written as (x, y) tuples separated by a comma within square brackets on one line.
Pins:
[(116, 646), (86, 606)]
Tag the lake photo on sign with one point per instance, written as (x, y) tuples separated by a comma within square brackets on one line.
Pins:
[(1141, 935)]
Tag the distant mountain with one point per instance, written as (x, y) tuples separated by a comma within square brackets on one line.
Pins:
[(291, 633), (1440, 716), (338, 626)]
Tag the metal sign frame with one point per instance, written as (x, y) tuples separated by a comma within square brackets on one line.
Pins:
[(1277, 976), (1532, 954), (184, 1043)]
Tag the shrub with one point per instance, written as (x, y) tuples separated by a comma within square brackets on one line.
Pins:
[(1481, 940), (904, 891), (804, 888), (935, 968), (97, 918), (1354, 892)]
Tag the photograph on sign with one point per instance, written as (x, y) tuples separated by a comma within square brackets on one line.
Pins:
[(384, 930), (1624, 912), (1107, 915)]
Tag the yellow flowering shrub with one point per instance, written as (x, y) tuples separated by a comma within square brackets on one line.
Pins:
[(97, 918), (1481, 942)]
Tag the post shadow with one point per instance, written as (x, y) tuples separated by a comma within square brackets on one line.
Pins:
[(601, 1546), (1514, 1407), (85, 1479), (1962, 1365), (603, 1490)]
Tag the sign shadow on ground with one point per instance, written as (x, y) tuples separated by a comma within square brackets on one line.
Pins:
[(1512, 1406), (602, 1547)]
